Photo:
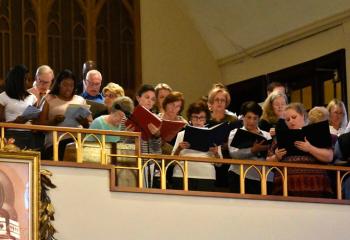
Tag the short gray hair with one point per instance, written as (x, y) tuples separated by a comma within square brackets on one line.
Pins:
[(43, 69), (92, 73)]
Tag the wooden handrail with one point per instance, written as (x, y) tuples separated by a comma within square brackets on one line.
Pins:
[(163, 161), (247, 162), (45, 128)]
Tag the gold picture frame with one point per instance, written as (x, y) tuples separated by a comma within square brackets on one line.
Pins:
[(19, 195)]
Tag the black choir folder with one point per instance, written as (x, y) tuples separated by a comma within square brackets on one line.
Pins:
[(141, 117), (97, 109), (317, 134), (246, 139), (202, 139)]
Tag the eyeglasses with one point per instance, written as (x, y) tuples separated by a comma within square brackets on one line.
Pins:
[(43, 82), (91, 84), (110, 95), (220, 100), (200, 118)]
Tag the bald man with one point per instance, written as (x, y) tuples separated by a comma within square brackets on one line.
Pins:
[(87, 66), (43, 79), (92, 86)]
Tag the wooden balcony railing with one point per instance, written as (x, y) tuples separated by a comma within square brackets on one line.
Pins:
[(137, 162)]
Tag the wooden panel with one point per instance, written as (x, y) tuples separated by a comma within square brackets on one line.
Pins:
[(307, 97), (328, 91), (338, 89), (295, 96)]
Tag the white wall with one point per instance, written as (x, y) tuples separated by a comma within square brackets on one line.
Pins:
[(174, 52), (86, 209)]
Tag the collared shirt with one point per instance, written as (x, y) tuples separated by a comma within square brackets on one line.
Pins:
[(245, 153), (41, 97), (98, 98), (337, 132)]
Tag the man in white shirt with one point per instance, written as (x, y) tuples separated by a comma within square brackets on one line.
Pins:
[(41, 87)]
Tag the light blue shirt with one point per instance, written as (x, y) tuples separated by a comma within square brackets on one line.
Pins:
[(101, 124)]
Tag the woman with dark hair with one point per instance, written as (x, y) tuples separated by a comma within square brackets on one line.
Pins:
[(251, 112), (57, 102), (201, 175), (14, 101), (146, 98), (173, 105)]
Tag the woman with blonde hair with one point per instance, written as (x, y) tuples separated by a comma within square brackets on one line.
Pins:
[(318, 114), (338, 118), (302, 182), (111, 92), (162, 90), (273, 109), (218, 100)]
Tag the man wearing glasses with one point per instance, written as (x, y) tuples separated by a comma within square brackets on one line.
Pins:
[(41, 87), (92, 86)]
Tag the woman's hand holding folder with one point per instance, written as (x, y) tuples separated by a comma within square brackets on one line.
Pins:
[(303, 145), (181, 146), (259, 147), (279, 154), (154, 130)]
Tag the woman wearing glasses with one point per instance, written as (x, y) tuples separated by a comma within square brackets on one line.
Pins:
[(218, 101), (201, 175), (110, 93)]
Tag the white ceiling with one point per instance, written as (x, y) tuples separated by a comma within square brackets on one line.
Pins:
[(230, 26)]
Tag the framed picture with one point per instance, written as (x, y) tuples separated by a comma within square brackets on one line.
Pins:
[(19, 195)]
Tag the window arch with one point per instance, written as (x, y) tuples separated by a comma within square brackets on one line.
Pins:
[(115, 44), (18, 35), (66, 36)]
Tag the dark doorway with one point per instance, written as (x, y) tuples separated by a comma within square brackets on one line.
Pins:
[(314, 83)]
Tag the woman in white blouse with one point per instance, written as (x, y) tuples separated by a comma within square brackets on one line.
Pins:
[(338, 118), (14, 101), (201, 175)]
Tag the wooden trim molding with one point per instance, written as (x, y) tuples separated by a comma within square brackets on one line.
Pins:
[(75, 165), (229, 195)]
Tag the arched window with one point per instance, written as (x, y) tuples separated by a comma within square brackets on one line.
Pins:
[(18, 35), (115, 44), (29, 36), (66, 36)]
